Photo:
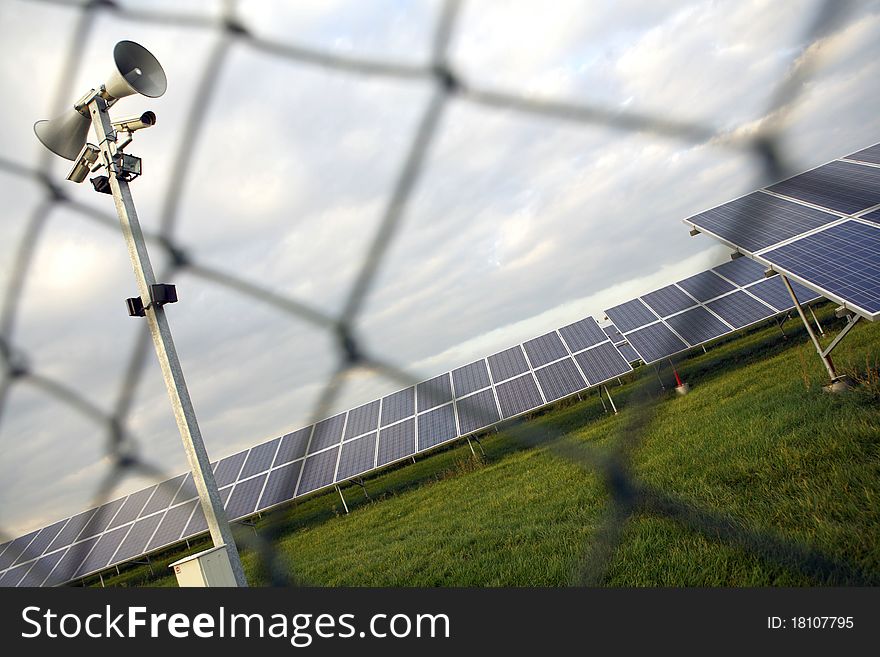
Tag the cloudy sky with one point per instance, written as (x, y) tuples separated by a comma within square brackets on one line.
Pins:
[(519, 224)]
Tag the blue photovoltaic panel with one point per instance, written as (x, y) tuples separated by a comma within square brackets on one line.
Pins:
[(434, 392), (41, 542), (582, 334), (518, 395), (171, 527), (545, 349), (357, 457), (759, 220), (14, 551), (842, 186), (327, 432), (281, 485), (630, 315), (613, 334), (13, 576), (227, 469), (293, 446), (71, 530), (872, 216), (741, 271), (602, 363), (773, 291), (132, 507), (197, 523), (560, 379), (244, 498), (70, 562), (477, 411), (362, 419), (102, 552), (437, 426), (164, 495), (187, 490), (398, 405), (318, 471), (844, 260), (668, 300), (655, 342), (870, 154), (99, 522), (135, 542), (507, 363), (259, 459), (41, 569), (705, 285), (739, 309), (698, 325), (470, 378), (628, 353), (396, 442)]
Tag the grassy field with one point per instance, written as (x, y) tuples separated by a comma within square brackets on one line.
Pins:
[(755, 478)]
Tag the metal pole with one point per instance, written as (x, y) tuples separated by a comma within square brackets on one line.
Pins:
[(826, 360), (816, 319), (610, 400), (341, 497), (181, 404)]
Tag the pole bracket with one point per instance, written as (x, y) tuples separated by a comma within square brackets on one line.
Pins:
[(160, 294)]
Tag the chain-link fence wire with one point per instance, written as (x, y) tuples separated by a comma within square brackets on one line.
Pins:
[(626, 495)]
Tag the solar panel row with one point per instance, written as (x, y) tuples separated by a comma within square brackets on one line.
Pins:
[(345, 446)]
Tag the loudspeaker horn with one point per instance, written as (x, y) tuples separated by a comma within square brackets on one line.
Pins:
[(137, 72), (64, 135)]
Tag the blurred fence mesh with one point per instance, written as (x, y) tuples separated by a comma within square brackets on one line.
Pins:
[(627, 496)]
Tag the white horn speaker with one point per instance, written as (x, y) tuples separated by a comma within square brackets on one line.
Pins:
[(137, 72), (64, 135)]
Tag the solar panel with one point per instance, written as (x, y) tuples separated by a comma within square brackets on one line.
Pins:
[(741, 271), (41, 569), (560, 379), (136, 540), (630, 315), (773, 291), (41, 542), (705, 285), (667, 300), (872, 216), (396, 442), (164, 495), (870, 154), (844, 260), (357, 457), (508, 363), (102, 552), (477, 411), (655, 342), (613, 334), (629, 354), (602, 363), (259, 458), (11, 554), (545, 349), (470, 378), (293, 446), (362, 419), (99, 522), (327, 432), (318, 471), (197, 523), (132, 507), (518, 395), (582, 334), (71, 530), (171, 525), (697, 326), (434, 392), (842, 186), (759, 220), (281, 485), (398, 405), (227, 469), (437, 426), (187, 490), (13, 576), (739, 309), (244, 497), (69, 563)]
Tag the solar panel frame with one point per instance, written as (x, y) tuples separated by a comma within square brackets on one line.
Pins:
[(870, 155), (602, 363), (697, 326), (396, 442), (655, 342), (357, 457), (582, 334), (132, 508), (171, 526), (508, 364), (327, 433), (470, 378), (398, 405), (560, 379), (772, 291), (434, 392), (138, 537), (845, 187), (740, 271), (668, 300), (436, 427), (259, 458), (245, 496), (705, 286), (477, 411), (740, 309), (519, 395), (545, 349), (293, 446), (281, 485), (631, 315), (363, 419), (318, 471)]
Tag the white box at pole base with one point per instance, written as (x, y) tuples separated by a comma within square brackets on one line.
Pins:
[(208, 568)]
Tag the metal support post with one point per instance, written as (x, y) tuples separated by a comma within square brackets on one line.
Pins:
[(816, 319), (341, 497), (601, 399), (779, 322), (468, 439), (657, 372), (611, 401), (826, 359), (480, 445), (181, 404)]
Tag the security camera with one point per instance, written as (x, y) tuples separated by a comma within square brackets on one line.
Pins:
[(84, 162), (133, 123)]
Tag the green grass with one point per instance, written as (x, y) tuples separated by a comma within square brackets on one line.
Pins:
[(755, 478)]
